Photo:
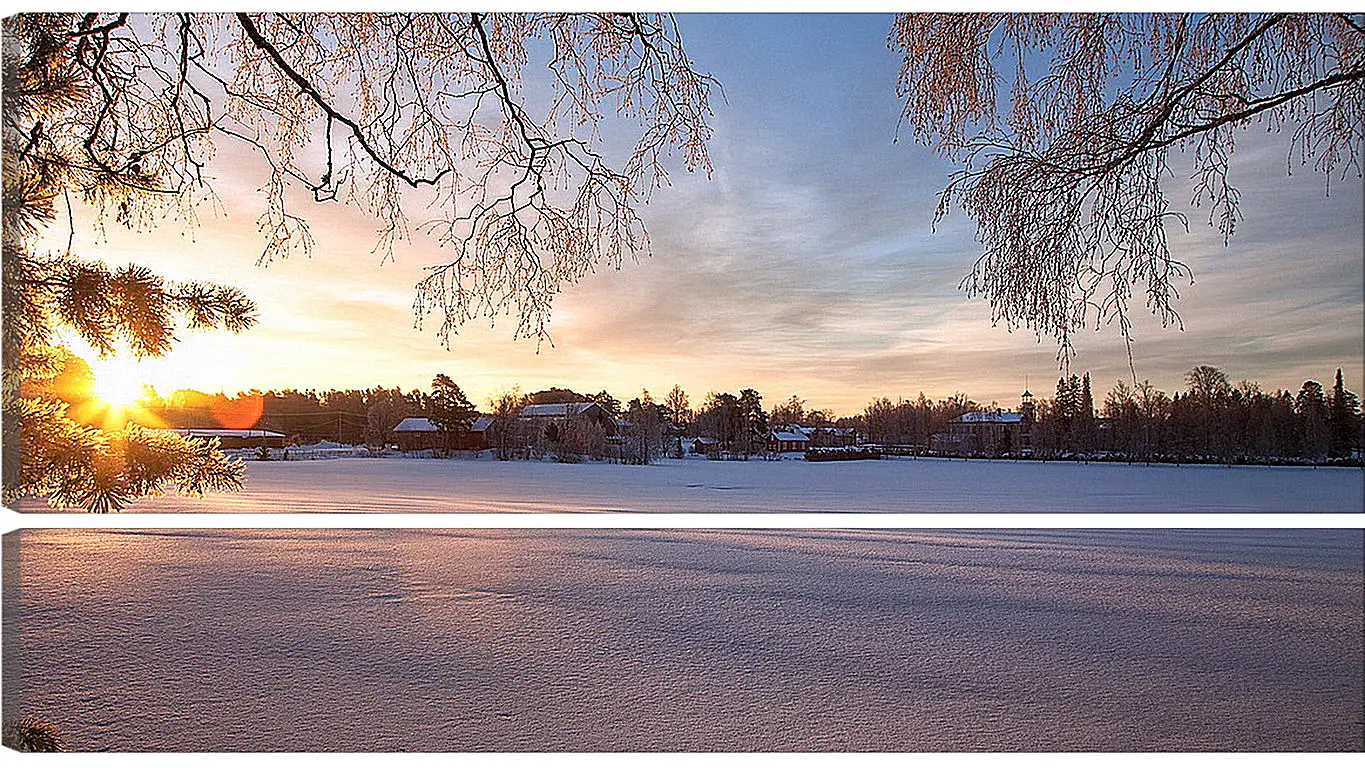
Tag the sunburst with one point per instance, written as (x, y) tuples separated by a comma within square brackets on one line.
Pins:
[(117, 381), (116, 387)]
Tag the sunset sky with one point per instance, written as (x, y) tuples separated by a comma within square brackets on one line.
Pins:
[(807, 264)]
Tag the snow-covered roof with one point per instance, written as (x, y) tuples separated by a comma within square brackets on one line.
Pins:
[(424, 424), (555, 410), (416, 424), (790, 437), (227, 432), (990, 417)]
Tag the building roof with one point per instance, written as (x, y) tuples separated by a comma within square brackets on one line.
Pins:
[(424, 424), (556, 410), (416, 424), (227, 432), (790, 437), (990, 417)]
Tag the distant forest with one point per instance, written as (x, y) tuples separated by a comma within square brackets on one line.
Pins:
[(1211, 419)]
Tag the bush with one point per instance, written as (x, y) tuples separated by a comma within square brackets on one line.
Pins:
[(32, 734)]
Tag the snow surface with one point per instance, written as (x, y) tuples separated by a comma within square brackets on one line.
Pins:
[(699, 485), (687, 640)]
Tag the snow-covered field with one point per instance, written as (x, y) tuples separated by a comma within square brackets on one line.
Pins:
[(923, 485), (701, 640)]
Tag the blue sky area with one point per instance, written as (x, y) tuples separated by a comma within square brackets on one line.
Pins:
[(807, 264)]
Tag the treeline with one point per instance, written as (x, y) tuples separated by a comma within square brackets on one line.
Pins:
[(911, 422), (643, 428), (351, 416), (1211, 419), (368, 416)]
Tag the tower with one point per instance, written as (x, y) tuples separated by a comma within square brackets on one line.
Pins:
[(1027, 417)]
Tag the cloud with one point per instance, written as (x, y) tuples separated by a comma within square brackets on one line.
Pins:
[(808, 264)]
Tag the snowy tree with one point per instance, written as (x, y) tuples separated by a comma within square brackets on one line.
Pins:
[(365, 108), (1120, 410), (1067, 184), (818, 417), (32, 734), (579, 437), (47, 453), (509, 437), (645, 431), (385, 408), (124, 113)]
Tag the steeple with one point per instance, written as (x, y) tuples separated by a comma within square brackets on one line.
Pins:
[(1026, 406)]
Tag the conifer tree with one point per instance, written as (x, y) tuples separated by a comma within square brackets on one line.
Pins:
[(1311, 406), (609, 404), (123, 112), (1085, 416), (32, 734), (753, 419), (1062, 415), (449, 408), (46, 453), (1342, 419)]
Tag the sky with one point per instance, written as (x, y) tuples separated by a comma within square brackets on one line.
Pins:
[(808, 264)]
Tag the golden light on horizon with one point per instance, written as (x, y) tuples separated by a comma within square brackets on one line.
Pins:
[(116, 387), (117, 380)]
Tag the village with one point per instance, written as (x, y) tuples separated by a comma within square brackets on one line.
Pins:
[(1212, 422), (588, 430)]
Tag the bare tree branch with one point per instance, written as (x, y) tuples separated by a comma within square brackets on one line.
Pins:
[(1067, 189)]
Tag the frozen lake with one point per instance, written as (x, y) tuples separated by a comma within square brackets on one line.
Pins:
[(697, 640), (923, 485)]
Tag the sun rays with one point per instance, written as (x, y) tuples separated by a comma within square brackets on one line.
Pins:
[(115, 393), (118, 381)]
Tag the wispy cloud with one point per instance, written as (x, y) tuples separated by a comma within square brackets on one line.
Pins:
[(808, 264)]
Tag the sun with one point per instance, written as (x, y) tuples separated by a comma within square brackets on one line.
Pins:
[(113, 395), (117, 380)]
